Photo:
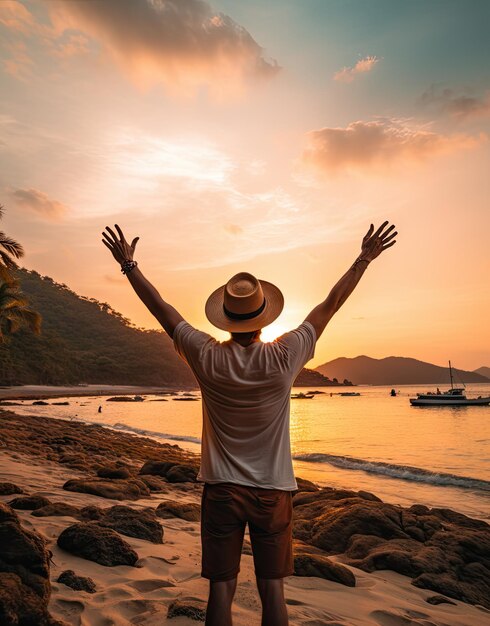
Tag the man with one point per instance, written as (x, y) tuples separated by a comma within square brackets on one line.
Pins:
[(246, 463)]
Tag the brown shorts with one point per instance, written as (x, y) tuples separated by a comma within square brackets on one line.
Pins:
[(225, 510)]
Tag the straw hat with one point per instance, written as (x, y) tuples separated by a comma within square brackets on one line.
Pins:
[(244, 304)]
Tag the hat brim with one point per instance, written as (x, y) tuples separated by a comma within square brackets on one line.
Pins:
[(274, 303)]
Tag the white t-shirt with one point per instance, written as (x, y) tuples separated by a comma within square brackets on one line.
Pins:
[(245, 403)]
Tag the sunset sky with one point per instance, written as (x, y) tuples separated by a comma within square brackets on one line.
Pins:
[(262, 137)]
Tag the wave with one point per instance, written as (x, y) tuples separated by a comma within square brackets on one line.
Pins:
[(404, 472), (147, 433)]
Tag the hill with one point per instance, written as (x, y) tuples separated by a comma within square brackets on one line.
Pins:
[(394, 370), (312, 378), (86, 341), (484, 371)]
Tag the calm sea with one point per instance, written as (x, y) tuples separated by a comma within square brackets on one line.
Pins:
[(438, 456)]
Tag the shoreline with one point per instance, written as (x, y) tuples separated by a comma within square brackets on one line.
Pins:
[(40, 454), (44, 392)]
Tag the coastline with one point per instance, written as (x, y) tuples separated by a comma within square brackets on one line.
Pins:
[(40, 455), (44, 392)]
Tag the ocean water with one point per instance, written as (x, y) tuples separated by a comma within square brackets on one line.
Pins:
[(438, 456)]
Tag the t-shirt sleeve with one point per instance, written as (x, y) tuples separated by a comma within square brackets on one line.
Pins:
[(300, 344), (190, 343)]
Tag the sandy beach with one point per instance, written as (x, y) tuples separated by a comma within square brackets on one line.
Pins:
[(164, 583)]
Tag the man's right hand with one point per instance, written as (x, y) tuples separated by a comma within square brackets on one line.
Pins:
[(373, 244)]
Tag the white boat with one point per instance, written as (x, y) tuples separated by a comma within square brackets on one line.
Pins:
[(453, 397)]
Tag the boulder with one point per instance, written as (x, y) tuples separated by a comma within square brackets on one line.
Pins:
[(185, 510), (111, 471), (115, 489), (157, 468), (305, 485), (9, 489), (323, 567), (56, 508), (78, 583), (29, 503), (24, 574), (156, 484), (91, 541), (142, 524), (181, 474), (193, 608), (440, 549)]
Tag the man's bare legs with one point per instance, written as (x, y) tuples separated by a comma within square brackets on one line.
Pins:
[(274, 610), (221, 595)]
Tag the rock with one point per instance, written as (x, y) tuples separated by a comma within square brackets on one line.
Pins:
[(116, 489), (9, 489), (109, 471), (305, 485), (61, 403), (40, 402), (181, 474), (439, 600), (29, 503), (142, 524), (125, 399), (155, 484), (311, 561), (90, 513), (185, 510), (440, 549), (56, 508), (157, 468), (24, 574), (78, 583), (91, 541), (192, 608)]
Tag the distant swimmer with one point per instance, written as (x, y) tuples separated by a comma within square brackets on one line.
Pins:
[(100, 409), (393, 392)]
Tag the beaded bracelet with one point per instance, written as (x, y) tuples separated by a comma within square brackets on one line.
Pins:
[(128, 265)]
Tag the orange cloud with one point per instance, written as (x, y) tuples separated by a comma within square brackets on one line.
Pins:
[(39, 203), (182, 43), (16, 17), (378, 143), (347, 74)]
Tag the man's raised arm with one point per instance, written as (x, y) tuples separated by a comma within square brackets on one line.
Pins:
[(372, 246), (123, 252)]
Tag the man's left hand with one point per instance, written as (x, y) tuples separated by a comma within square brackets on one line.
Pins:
[(120, 248)]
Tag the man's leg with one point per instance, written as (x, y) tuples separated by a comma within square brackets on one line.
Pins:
[(274, 610), (221, 595)]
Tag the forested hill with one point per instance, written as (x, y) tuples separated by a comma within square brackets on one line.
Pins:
[(86, 341)]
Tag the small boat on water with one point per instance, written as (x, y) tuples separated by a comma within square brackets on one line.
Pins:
[(349, 393), (453, 397), (302, 396)]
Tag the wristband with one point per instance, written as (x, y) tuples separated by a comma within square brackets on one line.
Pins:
[(358, 260), (128, 265)]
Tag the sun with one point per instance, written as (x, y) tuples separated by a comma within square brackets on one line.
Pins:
[(269, 333)]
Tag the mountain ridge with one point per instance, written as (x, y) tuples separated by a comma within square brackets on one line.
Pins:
[(395, 370)]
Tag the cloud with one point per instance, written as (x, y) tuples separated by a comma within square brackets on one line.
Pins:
[(348, 74), (378, 143), (461, 107), (182, 43), (233, 229), (39, 202)]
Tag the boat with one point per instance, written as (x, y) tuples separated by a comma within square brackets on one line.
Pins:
[(452, 397), (349, 393), (302, 396)]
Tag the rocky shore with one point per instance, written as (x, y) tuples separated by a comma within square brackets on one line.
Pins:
[(102, 527)]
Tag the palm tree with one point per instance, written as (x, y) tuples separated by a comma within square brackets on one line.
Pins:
[(8, 248), (15, 312)]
